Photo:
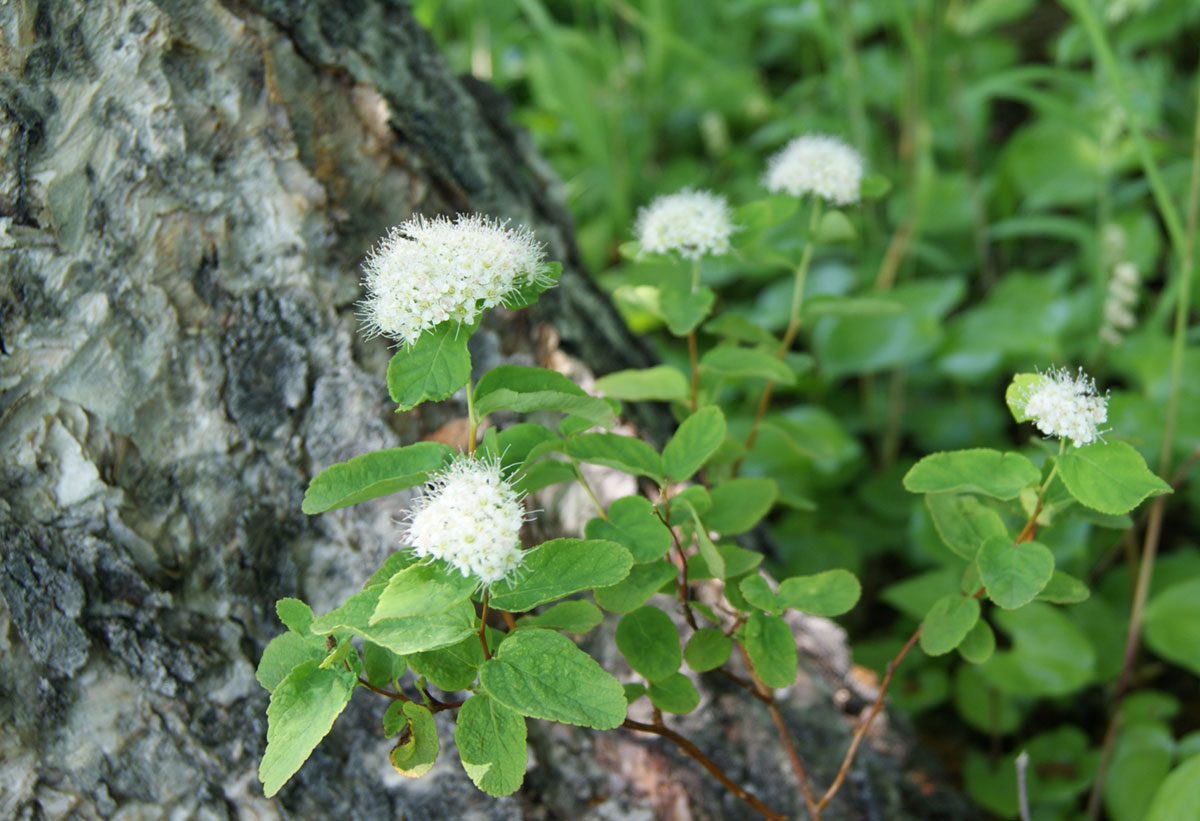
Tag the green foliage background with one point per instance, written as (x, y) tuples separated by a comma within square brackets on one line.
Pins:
[(1018, 186)]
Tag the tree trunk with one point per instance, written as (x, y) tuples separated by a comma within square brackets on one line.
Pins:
[(186, 191)]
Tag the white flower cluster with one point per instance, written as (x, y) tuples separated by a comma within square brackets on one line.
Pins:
[(824, 166), (469, 517), (1122, 298), (425, 272), (1067, 406), (690, 223)]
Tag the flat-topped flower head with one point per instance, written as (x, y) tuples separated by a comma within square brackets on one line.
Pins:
[(824, 166), (1067, 406), (470, 517), (425, 272), (691, 223)]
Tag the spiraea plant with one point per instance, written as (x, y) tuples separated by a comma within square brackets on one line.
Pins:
[(464, 618)]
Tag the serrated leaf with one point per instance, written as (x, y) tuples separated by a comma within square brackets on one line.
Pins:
[(450, 668), (542, 674), (732, 362), (576, 617), (693, 443), (947, 623), (432, 368), (415, 754), (560, 567), (401, 636), (296, 616), (979, 644), (423, 590), (963, 522), (521, 389), (632, 592), (650, 643), (491, 745), (632, 523), (373, 475), (1064, 589), (627, 454), (285, 653), (707, 649), (674, 694), (772, 649), (303, 708), (1014, 573), (739, 504), (831, 593), (662, 383), (1110, 477), (979, 470)]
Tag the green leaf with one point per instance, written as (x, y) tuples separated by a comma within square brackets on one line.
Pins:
[(735, 560), (527, 293), (643, 581), (1141, 759), (380, 665), (738, 328), (707, 649), (1173, 624), (423, 590), (1063, 589), (661, 383), (947, 623), (1014, 573), (433, 367), (757, 592), (829, 305), (576, 617), (684, 309), (738, 504), (544, 474), (915, 595), (450, 668), (831, 593), (415, 755), (285, 653), (1179, 794), (542, 674), (491, 744), (713, 559), (650, 643), (302, 710), (633, 524), (627, 454), (522, 389), (874, 186), (560, 567), (696, 440), (373, 475), (392, 565), (674, 694), (696, 496), (979, 644), (979, 470), (1110, 477), (296, 616), (1050, 656), (772, 649), (835, 227), (1016, 395), (732, 362), (963, 522), (401, 636), (634, 691), (516, 443), (394, 719)]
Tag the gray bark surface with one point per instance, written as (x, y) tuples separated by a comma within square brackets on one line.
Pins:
[(186, 192)]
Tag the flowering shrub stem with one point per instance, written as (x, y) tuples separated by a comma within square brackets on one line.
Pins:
[(693, 354), (483, 626), (472, 420)]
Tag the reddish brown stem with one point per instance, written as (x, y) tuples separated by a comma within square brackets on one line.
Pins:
[(681, 580), (861, 732), (483, 627), (694, 752)]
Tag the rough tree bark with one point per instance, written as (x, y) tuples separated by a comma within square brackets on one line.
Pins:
[(186, 190)]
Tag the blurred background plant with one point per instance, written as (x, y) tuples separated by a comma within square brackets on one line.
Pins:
[(1042, 159)]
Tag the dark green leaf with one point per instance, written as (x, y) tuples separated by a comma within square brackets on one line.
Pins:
[(662, 383), (947, 623), (627, 454), (433, 367), (990, 472), (401, 636), (979, 644), (381, 665), (674, 694), (514, 444), (285, 653), (1110, 477), (633, 524), (1050, 656), (1063, 589), (732, 362), (560, 567), (650, 643), (296, 616), (302, 710), (732, 326), (1173, 624), (757, 592), (522, 389), (696, 440), (685, 309), (963, 522), (542, 674), (707, 649), (735, 560), (491, 744), (1178, 795), (576, 617), (450, 668), (772, 649), (738, 504), (373, 475), (831, 593), (643, 581), (1014, 573)]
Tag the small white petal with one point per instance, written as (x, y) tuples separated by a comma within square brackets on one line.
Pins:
[(819, 165), (689, 223), (1067, 406)]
